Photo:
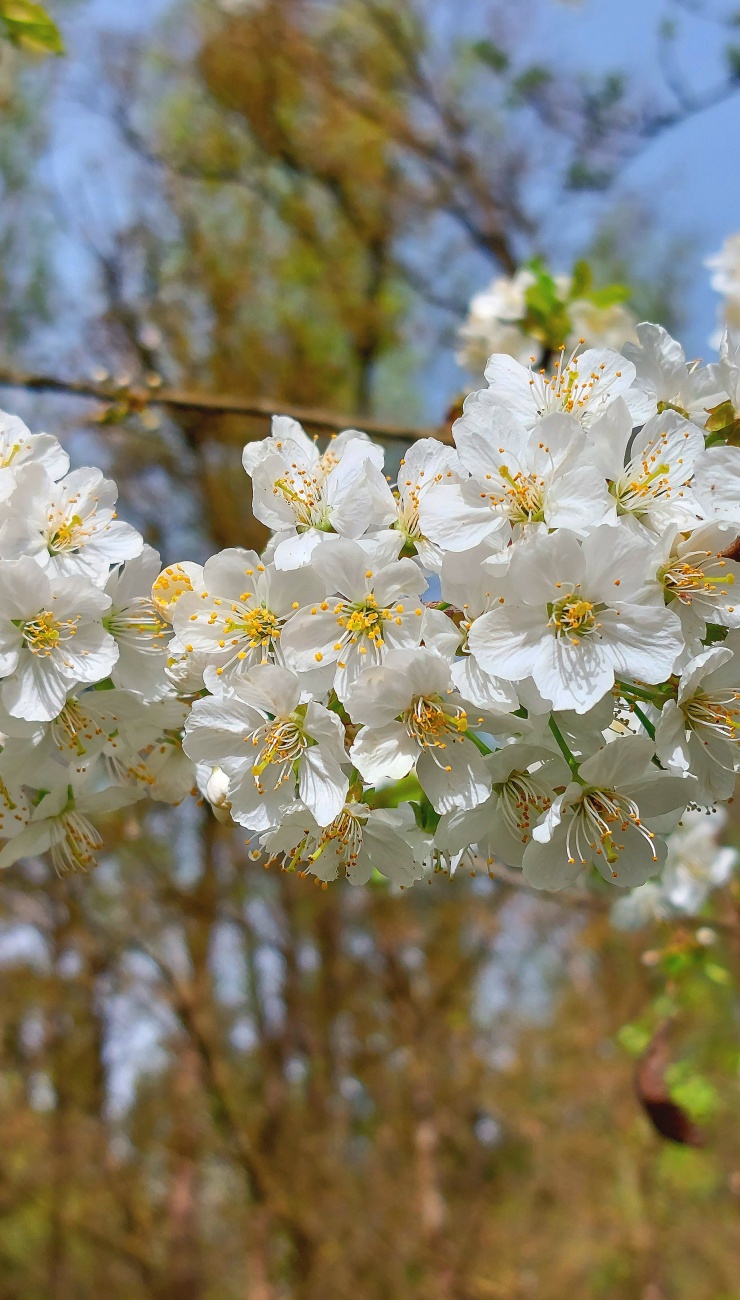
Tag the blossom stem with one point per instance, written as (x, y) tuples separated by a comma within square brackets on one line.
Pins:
[(569, 757), (656, 696), (644, 719)]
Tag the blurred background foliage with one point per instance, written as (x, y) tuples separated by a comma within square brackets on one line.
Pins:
[(217, 1082)]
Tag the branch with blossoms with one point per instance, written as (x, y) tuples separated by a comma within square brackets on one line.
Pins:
[(522, 652)]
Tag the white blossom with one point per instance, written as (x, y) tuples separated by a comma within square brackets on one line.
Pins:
[(69, 527), (608, 819), (576, 613)]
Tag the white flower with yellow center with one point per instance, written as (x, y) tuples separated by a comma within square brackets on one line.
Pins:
[(426, 465), (583, 386), (574, 613), (368, 612), (534, 478), (524, 780), (60, 824), (269, 743), (700, 583), (235, 618), (699, 731), (305, 497), (609, 819), (51, 637), (653, 490), (412, 719), (671, 383), (359, 841), (69, 528)]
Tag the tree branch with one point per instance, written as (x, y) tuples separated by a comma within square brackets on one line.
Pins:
[(137, 399)]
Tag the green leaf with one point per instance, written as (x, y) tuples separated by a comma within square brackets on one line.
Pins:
[(581, 279), (610, 294), (29, 26), (695, 1094), (529, 82), (633, 1038), (717, 974), (491, 54)]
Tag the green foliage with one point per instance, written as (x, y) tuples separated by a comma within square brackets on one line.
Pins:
[(547, 316), (28, 25), (692, 1091), (528, 84), (491, 55)]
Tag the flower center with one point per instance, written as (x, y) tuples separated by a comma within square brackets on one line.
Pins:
[(363, 621), (344, 834), (67, 536), (304, 493), (600, 817), (74, 843), (522, 801), (281, 743), (573, 617), (566, 389), (260, 626), (684, 577), (715, 713), (43, 633), (642, 484), (523, 496), (433, 726), (138, 623)]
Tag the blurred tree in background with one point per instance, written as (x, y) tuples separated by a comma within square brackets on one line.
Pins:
[(222, 1083)]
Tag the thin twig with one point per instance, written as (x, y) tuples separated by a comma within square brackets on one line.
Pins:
[(139, 398)]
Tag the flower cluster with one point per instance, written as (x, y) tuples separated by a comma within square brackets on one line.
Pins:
[(520, 314), (89, 721), (522, 651)]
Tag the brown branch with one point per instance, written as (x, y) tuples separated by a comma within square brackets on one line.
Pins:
[(138, 398)]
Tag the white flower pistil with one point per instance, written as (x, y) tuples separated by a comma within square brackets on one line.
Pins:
[(66, 531), (282, 742), (74, 843), (717, 712), (361, 624), (694, 573), (45, 633), (598, 818), (138, 624), (566, 389), (433, 726), (523, 800), (573, 616), (407, 498), (73, 727), (304, 491), (522, 496)]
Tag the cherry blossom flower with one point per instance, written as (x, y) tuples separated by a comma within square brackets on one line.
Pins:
[(70, 527), (576, 614), (51, 637), (608, 819)]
